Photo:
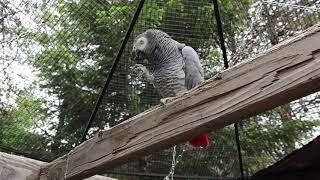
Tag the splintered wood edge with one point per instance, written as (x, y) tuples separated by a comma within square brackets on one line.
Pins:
[(287, 71)]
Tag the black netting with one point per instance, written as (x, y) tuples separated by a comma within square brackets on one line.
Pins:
[(56, 55)]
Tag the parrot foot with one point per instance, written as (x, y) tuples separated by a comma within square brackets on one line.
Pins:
[(164, 101), (217, 76), (142, 71), (139, 69)]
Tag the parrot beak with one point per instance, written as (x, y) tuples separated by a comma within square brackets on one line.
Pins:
[(137, 55)]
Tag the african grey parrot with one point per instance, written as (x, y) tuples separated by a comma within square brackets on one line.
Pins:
[(175, 67)]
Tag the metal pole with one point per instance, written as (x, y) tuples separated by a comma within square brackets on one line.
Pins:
[(236, 132), (113, 68), (220, 33), (226, 66)]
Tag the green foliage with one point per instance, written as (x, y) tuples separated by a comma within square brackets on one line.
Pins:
[(78, 44), (265, 143), (18, 126)]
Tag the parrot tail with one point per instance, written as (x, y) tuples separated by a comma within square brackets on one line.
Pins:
[(200, 141)]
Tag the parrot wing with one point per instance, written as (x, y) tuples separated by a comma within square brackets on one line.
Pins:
[(193, 70), (193, 76)]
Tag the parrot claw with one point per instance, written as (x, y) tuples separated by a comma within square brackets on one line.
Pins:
[(139, 69), (164, 101), (217, 76), (142, 72)]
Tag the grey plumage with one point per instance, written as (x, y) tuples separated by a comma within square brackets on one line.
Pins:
[(193, 68), (175, 67)]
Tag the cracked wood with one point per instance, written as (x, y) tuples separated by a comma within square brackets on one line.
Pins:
[(284, 73)]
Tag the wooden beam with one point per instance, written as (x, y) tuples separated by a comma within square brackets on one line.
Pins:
[(284, 73), (18, 167), (14, 167)]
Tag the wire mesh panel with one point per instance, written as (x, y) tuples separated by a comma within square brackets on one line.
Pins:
[(272, 135), (270, 22), (189, 22), (56, 55)]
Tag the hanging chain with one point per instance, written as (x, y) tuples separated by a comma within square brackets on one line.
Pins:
[(174, 162)]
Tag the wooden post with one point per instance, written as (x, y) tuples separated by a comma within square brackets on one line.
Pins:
[(14, 167), (286, 72)]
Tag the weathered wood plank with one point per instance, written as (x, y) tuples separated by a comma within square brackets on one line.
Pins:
[(14, 167), (97, 177), (286, 72)]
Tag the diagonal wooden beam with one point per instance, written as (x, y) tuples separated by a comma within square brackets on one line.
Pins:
[(284, 73)]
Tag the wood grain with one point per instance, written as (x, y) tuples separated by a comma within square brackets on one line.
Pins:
[(284, 73), (14, 167)]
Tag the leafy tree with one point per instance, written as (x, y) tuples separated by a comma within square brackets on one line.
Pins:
[(76, 45), (20, 126), (280, 129)]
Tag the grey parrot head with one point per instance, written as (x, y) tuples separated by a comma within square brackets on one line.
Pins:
[(140, 47), (146, 44)]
